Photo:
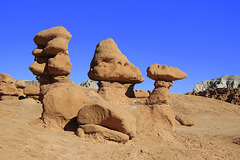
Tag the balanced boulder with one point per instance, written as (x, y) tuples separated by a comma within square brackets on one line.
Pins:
[(164, 72), (163, 76)]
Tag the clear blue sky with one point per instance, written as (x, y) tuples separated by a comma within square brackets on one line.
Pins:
[(200, 37)]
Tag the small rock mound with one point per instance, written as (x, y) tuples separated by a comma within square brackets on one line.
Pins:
[(184, 120)]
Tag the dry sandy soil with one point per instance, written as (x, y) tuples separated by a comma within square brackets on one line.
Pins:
[(217, 127)]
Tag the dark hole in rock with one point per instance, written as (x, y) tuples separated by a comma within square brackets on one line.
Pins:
[(72, 125), (21, 97)]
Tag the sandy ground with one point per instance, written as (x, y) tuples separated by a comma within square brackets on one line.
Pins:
[(217, 126)]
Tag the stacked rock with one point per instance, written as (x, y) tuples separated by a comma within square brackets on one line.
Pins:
[(8, 89), (52, 63), (163, 76), (116, 75)]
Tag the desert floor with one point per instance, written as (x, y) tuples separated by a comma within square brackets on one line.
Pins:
[(217, 127)]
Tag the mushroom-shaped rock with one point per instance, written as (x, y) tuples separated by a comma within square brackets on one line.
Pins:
[(108, 115), (43, 37), (109, 64), (164, 72), (163, 76)]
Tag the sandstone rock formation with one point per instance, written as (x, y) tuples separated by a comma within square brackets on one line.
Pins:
[(52, 63), (20, 84), (108, 115), (163, 76), (224, 94), (32, 92), (98, 131), (8, 89), (61, 105), (111, 66), (226, 81), (60, 97), (141, 93), (184, 120)]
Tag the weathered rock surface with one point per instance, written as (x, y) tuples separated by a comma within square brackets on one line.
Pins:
[(31, 90), (7, 85), (164, 72), (108, 115), (224, 94), (109, 64), (114, 91), (141, 93), (102, 132), (51, 56), (43, 37), (161, 93), (226, 81), (184, 120), (61, 104), (20, 84)]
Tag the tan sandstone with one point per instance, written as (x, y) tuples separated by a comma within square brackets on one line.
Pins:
[(184, 120), (102, 132), (108, 115), (109, 64), (164, 72)]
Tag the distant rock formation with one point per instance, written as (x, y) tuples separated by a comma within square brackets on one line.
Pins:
[(224, 94), (89, 84), (225, 81), (32, 83)]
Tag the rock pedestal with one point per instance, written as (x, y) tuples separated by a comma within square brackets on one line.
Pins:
[(113, 71), (60, 97), (163, 76), (161, 93)]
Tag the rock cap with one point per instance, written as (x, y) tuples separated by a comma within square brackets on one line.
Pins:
[(164, 72), (109, 64)]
